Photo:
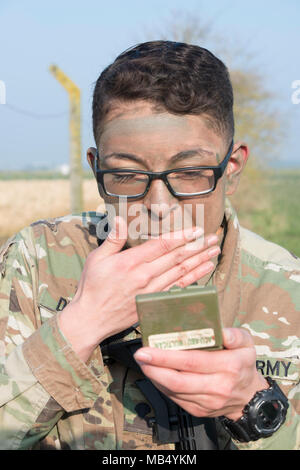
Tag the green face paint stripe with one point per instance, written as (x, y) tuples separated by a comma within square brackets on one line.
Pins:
[(150, 123)]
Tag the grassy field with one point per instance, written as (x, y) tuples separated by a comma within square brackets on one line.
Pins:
[(270, 207), (25, 201), (268, 204)]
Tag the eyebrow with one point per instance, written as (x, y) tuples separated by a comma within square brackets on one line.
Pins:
[(175, 158)]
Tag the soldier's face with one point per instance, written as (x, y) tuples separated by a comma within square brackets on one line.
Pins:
[(136, 137)]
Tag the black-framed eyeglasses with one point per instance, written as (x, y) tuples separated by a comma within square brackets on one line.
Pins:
[(181, 182)]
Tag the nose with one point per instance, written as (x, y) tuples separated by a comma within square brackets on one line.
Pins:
[(159, 201)]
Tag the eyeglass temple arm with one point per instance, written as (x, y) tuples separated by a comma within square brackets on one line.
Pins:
[(96, 162)]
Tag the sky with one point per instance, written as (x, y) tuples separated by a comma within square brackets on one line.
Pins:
[(83, 37)]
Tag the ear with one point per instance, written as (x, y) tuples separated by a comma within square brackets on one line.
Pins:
[(235, 167), (91, 156)]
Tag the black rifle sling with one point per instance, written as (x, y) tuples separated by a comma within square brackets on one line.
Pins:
[(171, 424)]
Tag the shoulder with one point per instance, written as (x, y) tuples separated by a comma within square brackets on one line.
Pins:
[(85, 223), (69, 234), (44, 261), (268, 255)]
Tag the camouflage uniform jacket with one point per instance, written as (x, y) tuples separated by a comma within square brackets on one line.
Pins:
[(50, 399)]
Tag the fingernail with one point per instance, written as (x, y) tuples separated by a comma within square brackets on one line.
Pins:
[(229, 336), (214, 252), (140, 356), (212, 240), (191, 234)]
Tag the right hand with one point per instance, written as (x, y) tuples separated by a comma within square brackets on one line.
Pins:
[(104, 303)]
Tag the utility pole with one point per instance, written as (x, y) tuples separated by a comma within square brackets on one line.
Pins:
[(75, 138)]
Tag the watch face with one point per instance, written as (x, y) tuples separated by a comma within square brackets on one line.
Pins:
[(262, 416), (269, 417)]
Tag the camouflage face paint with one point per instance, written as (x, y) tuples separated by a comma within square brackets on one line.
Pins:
[(132, 130), (137, 137), (133, 123)]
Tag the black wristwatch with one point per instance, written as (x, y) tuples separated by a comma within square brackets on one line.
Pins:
[(262, 416)]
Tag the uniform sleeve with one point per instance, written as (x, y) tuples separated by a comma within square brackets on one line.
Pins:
[(41, 377), (269, 310)]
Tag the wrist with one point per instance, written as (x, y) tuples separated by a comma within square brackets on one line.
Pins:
[(76, 331), (262, 416), (258, 384)]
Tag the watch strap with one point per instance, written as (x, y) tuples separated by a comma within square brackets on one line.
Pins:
[(239, 430)]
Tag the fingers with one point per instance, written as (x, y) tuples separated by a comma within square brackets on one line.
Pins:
[(177, 383), (205, 362), (115, 240), (178, 256), (236, 338), (173, 255), (156, 248), (183, 274), (182, 266)]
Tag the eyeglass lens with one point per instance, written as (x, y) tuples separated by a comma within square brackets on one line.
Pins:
[(184, 182)]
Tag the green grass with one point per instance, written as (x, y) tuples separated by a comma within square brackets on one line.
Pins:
[(275, 214)]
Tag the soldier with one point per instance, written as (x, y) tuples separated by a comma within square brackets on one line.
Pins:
[(163, 126)]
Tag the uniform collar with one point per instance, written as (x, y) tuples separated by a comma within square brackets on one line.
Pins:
[(226, 275)]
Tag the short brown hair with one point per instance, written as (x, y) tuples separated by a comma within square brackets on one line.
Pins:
[(177, 77)]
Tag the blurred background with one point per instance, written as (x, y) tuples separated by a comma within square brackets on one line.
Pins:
[(40, 137)]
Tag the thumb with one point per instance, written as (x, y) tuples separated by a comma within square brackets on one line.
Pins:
[(235, 338), (116, 238)]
